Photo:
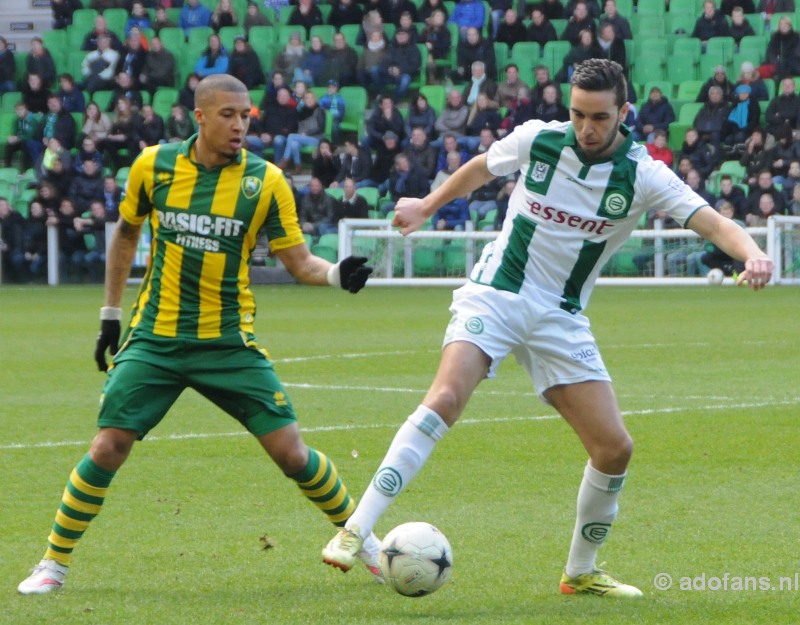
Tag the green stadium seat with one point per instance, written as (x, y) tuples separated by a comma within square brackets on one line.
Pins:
[(102, 99), (501, 55), (734, 168), (650, 70), (553, 55), (82, 23), (560, 26), (227, 34), (625, 8), (757, 23), (665, 86), (688, 45), (721, 48), (751, 48), (355, 106), (163, 99), (647, 26), (336, 193), (350, 32), (173, 40), (526, 55), (689, 90), (56, 42), (421, 77), (683, 7), (286, 13), (675, 23), (115, 20), (371, 195), (436, 95), (324, 32), (688, 112), (650, 7), (9, 101), (681, 68), (198, 38), (648, 48)]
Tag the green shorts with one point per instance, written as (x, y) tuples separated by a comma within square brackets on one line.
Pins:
[(151, 372)]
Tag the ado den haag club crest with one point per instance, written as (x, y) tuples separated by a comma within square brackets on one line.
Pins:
[(251, 186)]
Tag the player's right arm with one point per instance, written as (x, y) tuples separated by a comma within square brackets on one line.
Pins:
[(134, 209), (411, 213)]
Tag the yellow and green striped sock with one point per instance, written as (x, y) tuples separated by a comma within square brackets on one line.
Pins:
[(81, 502), (320, 483)]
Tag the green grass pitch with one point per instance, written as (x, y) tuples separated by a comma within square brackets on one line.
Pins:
[(708, 379)]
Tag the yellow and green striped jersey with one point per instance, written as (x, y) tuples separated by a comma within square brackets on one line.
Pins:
[(204, 224)]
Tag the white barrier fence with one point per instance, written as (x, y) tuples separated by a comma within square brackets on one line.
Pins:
[(393, 255)]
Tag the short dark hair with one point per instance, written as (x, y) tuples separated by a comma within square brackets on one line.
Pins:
[(601, 75)]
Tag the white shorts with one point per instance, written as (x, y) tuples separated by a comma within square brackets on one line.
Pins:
[(552, 345)]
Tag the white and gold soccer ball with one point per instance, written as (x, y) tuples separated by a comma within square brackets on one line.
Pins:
[(715, 276), (416, 559)]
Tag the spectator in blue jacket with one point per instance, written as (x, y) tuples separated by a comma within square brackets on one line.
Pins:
[(334, 104), (468, 14), (656, 114), (453, 215), (214, 60), (194, 14)]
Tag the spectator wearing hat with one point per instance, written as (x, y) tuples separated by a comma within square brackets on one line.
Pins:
[(748, 75), (719, 79), (387, 148), (245, 65), (742, 119), (333, 102)]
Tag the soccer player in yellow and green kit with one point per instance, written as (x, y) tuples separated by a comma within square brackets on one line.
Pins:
[(192, 325)]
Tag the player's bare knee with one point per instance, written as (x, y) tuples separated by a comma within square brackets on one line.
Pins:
[(291, 459), (111, 447), (613, 456), (446, 402)]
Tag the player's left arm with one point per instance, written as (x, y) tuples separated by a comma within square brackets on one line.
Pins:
[(350, 273), (736, 242)]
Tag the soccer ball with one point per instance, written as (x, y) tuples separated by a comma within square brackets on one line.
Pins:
[(715, 276), (415, 559)]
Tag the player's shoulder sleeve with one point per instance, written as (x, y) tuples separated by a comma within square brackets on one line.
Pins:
[(508, 154), (662, 190), (281, 225), (137, 195)]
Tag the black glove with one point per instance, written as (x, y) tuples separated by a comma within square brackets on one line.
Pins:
[(108, 337), (353, 273)]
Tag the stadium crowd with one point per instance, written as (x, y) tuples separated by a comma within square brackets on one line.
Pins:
[(385, 98)]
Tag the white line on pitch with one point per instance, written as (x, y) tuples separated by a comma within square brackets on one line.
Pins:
[(374, 426)]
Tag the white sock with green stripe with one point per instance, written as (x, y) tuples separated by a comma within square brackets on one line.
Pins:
[(410, 449), (597, 509)]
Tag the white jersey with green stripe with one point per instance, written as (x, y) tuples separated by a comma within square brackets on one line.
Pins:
[(568, 215)]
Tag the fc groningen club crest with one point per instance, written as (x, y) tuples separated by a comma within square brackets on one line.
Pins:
[(540, 170)]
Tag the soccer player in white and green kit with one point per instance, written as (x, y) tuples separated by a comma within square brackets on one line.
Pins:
[(582, 187)]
